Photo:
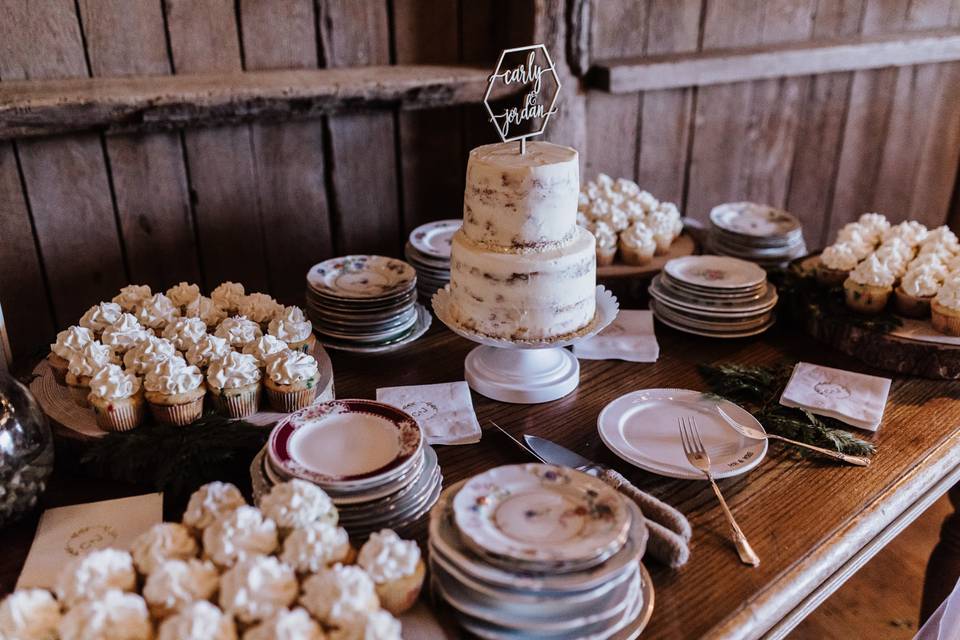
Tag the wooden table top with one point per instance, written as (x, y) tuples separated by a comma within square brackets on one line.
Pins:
[(811, 521)]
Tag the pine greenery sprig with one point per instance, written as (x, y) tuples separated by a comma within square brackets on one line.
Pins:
[(758, 389)]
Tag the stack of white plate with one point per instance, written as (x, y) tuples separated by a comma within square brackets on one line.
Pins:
[(369, 457), (535, 550), (756, 232), (428, 250), (715, 296), (365, 303)]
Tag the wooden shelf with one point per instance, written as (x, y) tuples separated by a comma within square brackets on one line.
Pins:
[(155, 103)]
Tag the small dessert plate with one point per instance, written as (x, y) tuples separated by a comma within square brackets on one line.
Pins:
[(541, 514), (715, 272), (434, 238), (361, 277), (752, 219)]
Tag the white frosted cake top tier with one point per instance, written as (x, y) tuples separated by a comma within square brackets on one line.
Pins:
[(519, 201)]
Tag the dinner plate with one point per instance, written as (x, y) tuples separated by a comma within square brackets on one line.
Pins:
[(754, 220), (424, 320), (663, 294), (717, 323), (543, 514), (708, 333), (344, 442), (403, 522), (715, 272), (361, 277), (434, 239), (641, 427)]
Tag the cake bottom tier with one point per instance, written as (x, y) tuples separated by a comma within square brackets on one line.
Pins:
[(524, 296)]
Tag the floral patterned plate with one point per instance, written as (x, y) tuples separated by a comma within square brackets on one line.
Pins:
[(754, 220), (715, 272), (361, 277), (541, 514), (434, 238)]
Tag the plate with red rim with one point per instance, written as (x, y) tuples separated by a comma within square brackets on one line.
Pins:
[(345, 443)]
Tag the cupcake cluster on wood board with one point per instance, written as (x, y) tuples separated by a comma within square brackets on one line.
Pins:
[(912, 268), (230, 570), (171, 353)]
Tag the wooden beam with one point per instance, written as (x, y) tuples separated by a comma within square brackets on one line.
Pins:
[(155, 103), (762, 62)]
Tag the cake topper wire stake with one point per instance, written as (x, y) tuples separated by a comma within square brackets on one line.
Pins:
[(532, 109)]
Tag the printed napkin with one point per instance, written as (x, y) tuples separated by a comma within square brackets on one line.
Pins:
[(444, 411), (67, 532), (854, 398), (629, 337)]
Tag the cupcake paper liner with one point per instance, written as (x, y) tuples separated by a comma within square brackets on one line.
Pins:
[(289, 401), (910, 306), (944, 323), (177, 414), (238, 405), (122, 417)]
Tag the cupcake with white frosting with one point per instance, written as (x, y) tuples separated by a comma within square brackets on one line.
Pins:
[(182, 294), (175, 584), (83, 366), (861, 239), (148, 353), (211, 501), (29, 614), (227, 296), (238, 331), (207, 349), (916, 289), (156, 312), (315, 546), (666, 224), (836, 263), (234, 384), (372, 625), (259, 307), (337, 594), (124, 334), (257, 587), (174, 392), (292, 327), (116, 398), (874, 223), (92, 575), (291, 381), (198, 621), (69, 342), (286, 624), (264, 348), (638, 244), (132, 296), (162, 541), (868, 287), (910, 231), (100, 316), (185, 332), (298, 503), (396, 568), (945, 307), (206, 309), (606, 238), (114, 615), (239, 534)]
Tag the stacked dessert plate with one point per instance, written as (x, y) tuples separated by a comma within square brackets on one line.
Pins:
[(428, 250), (715, 296), (365, 304), (369, 457), (540, 551), (756, 232)]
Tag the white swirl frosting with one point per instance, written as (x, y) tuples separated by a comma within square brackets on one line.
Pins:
[(291, 367), (183, 293), (71, 340), (264, 348), (240, 534), (183, 332), (29, 614), (315, 546), (876, 222), (112, 616), (233, 370), (854, 233), (93, 574), (286, 624), (337, 594), (257, 587), (605, 234), (198, 621), (640, 237), (173, 376), (374, 625), (933, 261), (290, 325), (227, 295), (238, 331), (873, 272), (113, 383), (211, 501), (162, 541), (206, 309), (173, 584), (157, 311), (386, 556), (131, 296), (207, 349), (910, 231), (259, 307), (124, 333), (92, 357), (147, 353), (921, 282), (949, 294), (298, 503), (100, 316), (840, 257)]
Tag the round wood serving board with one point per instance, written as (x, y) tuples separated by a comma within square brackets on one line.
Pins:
[(913, 349), (682, 246), (73, 421)]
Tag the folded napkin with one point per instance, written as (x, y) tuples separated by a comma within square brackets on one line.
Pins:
[(444, 411), (629, 337), (854, 398)]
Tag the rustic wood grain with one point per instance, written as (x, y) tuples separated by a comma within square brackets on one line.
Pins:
[(223, 178), (569, 125), (288, 158), (66, 180), (149, 176), (363, 164)]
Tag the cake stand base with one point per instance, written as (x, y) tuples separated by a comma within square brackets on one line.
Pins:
[(522, 376)]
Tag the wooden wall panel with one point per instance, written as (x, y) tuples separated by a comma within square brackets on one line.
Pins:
[(123, 38), (288, 158)]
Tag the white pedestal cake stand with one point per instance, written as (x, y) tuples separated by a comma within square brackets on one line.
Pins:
[(525, 371)]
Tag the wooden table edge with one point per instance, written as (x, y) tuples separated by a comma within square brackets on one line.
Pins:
[(774, 613)]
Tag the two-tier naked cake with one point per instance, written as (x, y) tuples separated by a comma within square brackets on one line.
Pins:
[(521, 268)]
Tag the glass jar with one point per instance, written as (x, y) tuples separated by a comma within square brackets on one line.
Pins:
[(26, 450)]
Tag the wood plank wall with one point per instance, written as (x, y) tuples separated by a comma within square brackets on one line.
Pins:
[(83, 214)]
